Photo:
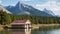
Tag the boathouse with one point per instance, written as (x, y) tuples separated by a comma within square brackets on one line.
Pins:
[(21, 24)]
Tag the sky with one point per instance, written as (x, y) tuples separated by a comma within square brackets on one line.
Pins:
[(53, 5)]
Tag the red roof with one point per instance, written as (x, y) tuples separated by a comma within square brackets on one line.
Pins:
[(19, 21)]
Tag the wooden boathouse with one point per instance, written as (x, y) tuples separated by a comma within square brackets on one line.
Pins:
[(17, 24)]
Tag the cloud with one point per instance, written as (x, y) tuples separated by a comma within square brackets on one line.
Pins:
[(26, 0), (51, 5), (0, 1)]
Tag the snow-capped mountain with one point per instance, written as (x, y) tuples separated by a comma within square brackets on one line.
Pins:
[(48, 11), (24, 9), (2, 8)]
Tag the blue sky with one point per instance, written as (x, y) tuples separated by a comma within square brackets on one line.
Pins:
[(13, 2), (53, 5)]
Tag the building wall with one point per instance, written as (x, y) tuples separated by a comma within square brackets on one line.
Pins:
[(28, 22)]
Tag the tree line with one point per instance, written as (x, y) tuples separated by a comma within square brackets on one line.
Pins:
[(6, 18)]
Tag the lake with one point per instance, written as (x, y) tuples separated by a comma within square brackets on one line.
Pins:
[(40, 30)]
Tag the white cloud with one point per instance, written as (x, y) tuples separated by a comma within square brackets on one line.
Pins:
[(58, 3), (51, 5), (26, 0)]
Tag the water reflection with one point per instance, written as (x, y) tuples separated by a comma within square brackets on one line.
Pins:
[(27, 31), (17, 31), (57, 31), (21, 31), (44, 30)]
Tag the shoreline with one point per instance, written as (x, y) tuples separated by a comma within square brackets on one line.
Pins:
[(41, 25), (1, 27), (34, 25)]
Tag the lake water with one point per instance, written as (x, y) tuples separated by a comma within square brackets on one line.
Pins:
[(40, 30)]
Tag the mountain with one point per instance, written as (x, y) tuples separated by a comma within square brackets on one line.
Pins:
[(4, 9), (48, 11), (23, 9)]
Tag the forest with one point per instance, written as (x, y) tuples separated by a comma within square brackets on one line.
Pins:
[(6, 18)]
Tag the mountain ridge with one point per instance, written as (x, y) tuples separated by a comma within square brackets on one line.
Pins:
[(23, 9), (2, 8)]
